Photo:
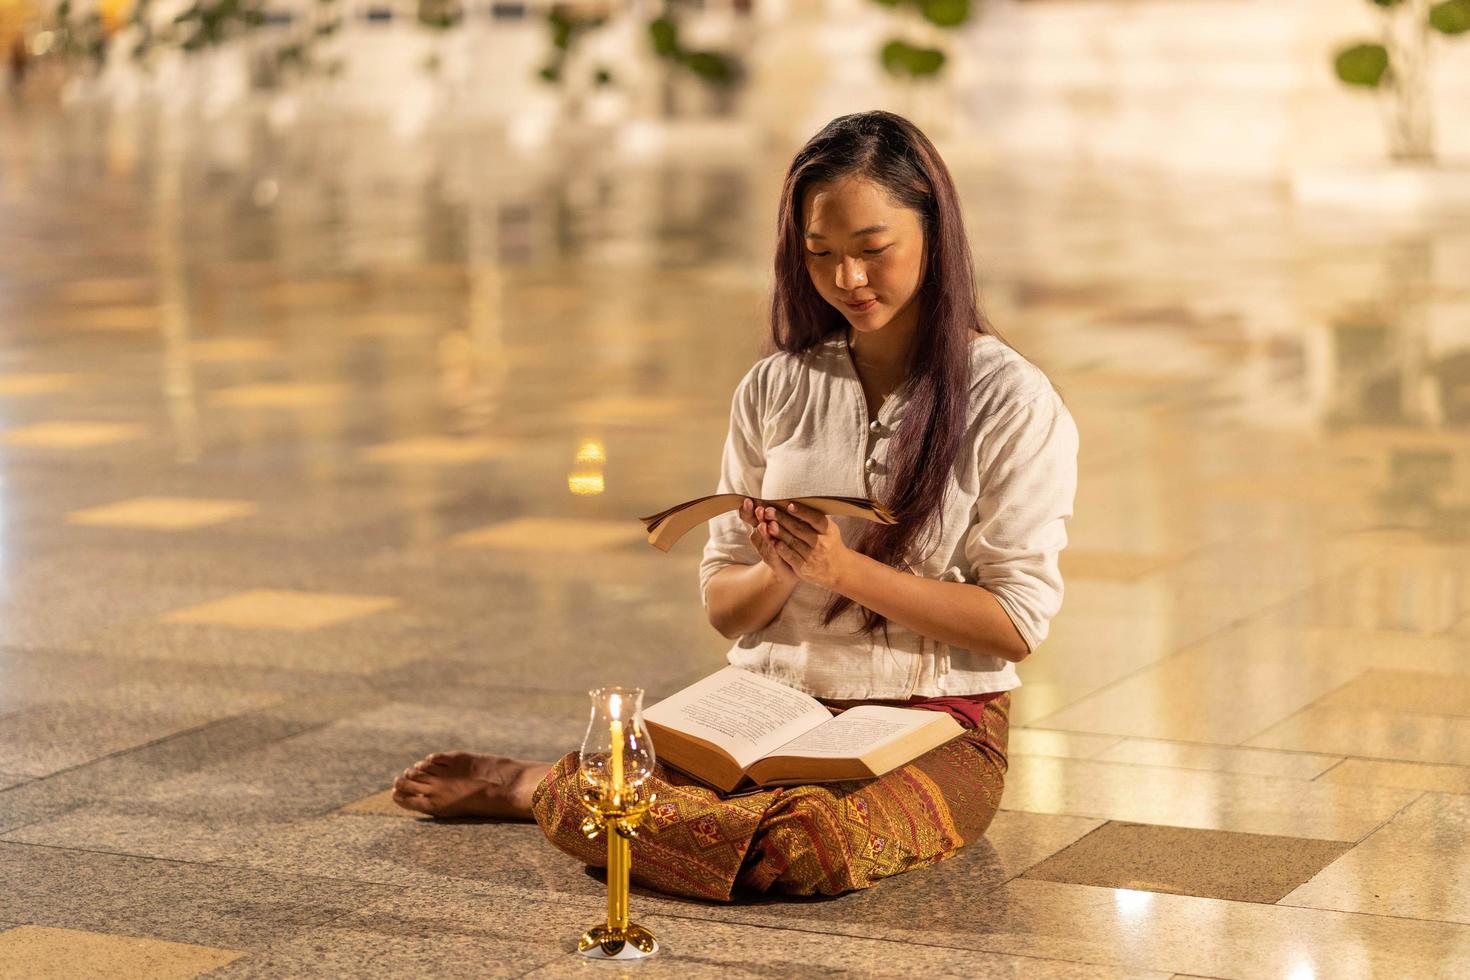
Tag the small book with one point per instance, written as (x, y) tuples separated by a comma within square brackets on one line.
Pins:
[(737, 728), (668, 526)]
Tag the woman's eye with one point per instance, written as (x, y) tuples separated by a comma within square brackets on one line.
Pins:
[(875, 251), (817, 255)]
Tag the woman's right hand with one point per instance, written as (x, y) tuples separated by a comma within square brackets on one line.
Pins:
[(755, 518)]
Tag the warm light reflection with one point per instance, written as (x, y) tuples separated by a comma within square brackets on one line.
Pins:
[(585, 484), (591, 451), (1131, 902), (1302, 970)]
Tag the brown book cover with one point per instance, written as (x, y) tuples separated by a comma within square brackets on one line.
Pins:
[(668, 526), (736, 728)]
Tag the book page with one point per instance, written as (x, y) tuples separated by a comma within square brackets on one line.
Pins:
[(743, 713), (856, 732)]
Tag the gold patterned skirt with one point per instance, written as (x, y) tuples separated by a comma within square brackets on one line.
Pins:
[(824, 838)]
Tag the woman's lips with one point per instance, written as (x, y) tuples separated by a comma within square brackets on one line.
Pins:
[(859, 307)]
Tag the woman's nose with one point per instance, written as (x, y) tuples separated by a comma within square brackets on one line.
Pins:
[(850, 274)]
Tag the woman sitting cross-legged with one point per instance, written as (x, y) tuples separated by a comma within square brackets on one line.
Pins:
[(887, 382)]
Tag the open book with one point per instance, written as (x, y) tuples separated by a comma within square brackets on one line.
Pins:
[(738, 727), (668, 526)]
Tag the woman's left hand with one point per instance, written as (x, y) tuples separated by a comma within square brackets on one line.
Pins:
[(808, 542)]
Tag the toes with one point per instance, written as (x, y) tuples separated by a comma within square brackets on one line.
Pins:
[(413, 801), (413, 781)]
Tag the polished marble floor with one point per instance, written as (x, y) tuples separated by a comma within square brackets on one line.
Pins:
[(319, 451)]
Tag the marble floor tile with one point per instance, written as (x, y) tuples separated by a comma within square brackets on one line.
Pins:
[(61, 954), (232, 350), (116, 317), (380, 804), (71, 435), (568, 535), (1217, 691), (15, 384), (1404, 691), (1373, 734), (1214, 938), (55, 735), (1410, 775), (436, 451), (339, 950), (1218, 758), (1199, 799), (163, 513), (282, 395), (1112, 566), (1061, 745), (1186, 861), (109, 290), (705, 947), (281, 609), (1413, 866), (188, 903)]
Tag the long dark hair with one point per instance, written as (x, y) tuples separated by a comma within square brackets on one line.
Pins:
[(893, 153)]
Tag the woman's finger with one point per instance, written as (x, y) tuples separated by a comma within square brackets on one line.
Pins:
[(796, 527), (787, 540), (790, 554), (810, 515)]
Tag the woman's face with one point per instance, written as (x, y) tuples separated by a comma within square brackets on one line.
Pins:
[(862, 249)]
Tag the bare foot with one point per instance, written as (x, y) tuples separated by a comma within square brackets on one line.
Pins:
[(463, 784)]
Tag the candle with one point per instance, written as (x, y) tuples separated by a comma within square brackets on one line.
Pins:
[(617, 759), (615, 708)]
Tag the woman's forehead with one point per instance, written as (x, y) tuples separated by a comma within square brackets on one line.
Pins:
[(851, 204)]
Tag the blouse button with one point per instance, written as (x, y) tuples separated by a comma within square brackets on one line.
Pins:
[(875, 426), (871, 464)]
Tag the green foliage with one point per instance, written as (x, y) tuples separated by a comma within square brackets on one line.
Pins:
[(711, 66), (665, 35), (565, 29), (1450, 17), (717, 69), (945, 13), (1362, 64), (440, 15), (902, 58)]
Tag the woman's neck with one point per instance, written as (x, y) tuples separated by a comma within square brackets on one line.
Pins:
[(882, 356)]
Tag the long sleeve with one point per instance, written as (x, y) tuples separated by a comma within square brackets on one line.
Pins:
[(742, 467), (1028, 488)]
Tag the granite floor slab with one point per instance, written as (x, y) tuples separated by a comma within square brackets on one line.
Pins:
[(1183, 861)]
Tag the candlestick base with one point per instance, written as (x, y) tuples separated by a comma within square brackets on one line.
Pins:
[(604, 943)]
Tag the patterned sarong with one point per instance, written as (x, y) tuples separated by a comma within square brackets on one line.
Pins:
[(824, 838)]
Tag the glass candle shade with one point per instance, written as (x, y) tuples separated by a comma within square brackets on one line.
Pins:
[(617, 754)]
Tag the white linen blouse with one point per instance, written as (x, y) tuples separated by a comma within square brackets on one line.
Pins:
[(799, 426)]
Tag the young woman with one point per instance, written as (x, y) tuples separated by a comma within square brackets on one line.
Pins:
[(886, 382)]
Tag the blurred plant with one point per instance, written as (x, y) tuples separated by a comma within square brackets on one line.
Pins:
[(440, 14), (1397, 64), (567, 27), (84, 36), (713, 67), (924, 60)]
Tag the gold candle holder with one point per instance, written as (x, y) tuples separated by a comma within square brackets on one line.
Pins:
[(616, 758)]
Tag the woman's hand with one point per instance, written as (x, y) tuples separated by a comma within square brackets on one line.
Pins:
[(808, 543), (763, 543)]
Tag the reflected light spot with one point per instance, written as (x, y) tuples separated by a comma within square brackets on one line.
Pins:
[(591, 451), (1132, 902), (585, 484), (1302, 970)]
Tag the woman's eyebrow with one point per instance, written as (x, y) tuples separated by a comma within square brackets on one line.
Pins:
[(857, 234)]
